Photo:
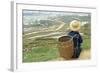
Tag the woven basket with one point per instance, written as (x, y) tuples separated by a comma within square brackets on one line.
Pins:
[(65, 46)]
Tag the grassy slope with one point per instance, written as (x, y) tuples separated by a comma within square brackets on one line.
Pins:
[(45, 49), (40, 54)]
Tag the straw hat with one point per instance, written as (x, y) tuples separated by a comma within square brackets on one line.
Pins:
[(75, 25)]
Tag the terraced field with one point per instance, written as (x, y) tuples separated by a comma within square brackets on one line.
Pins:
[(41, 30), (42, 46)]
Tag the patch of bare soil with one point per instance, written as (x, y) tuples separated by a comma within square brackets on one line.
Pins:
[(85, 54)]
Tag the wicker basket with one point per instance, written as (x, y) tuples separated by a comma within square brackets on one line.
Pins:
[(65, 46)]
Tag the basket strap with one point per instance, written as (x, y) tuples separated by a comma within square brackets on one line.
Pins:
[(77, 40), (77, 44)]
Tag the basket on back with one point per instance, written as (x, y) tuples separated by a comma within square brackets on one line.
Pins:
[(65, 45)]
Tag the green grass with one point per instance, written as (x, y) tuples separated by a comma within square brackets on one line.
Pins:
[(45, 49), (40, 54), (86, 43)]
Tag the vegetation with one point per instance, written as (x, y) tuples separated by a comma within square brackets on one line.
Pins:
[(43, 45), (40, 54), (45, 49), (86, 42)]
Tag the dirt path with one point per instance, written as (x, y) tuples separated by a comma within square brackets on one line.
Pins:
[(38, 36), (61, 25), (85, 54)]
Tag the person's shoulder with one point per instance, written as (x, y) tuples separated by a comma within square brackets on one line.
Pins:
[(69, 32)]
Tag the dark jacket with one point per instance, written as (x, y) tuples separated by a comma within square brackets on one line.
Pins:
[(77, 39)]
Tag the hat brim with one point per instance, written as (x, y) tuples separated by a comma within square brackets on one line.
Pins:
[(75, 29)]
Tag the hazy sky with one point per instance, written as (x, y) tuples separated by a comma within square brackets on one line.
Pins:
[(39, 13)]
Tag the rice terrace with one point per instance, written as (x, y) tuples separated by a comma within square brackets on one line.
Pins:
[(41, 30)]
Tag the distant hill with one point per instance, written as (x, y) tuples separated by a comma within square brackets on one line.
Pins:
[(40, 20)]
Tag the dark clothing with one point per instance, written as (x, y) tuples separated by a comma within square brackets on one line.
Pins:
[(77, 39)]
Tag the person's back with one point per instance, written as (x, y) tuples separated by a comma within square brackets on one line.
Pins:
[(77, 39)]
